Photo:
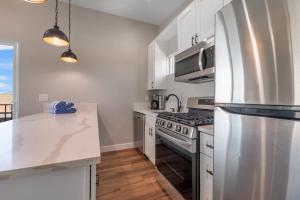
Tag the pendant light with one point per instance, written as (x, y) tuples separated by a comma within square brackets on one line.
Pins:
[(54, 36), (36, 1), (69, 56)]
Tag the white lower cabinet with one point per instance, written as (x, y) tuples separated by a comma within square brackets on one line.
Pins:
[(77, 183), (150, 138), (207, 144), (206, 177), (206, 166)]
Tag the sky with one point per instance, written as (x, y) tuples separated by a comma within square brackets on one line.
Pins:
[(6, 69)]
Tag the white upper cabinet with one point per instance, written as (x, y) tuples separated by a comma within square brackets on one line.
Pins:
[(157, 66), (206, 11), (197, 22), (186, 24)]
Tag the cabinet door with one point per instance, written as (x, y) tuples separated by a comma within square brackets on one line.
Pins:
[(95, 181), (157, 66), (207, 10), (152, 145), (160, 67), (147, 140), (150, 138), (151, 60), (63, 184), (207, 144), (186, 23), (206, 177)]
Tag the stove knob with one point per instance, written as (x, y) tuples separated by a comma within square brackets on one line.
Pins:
[(163, 123), (185, 130), (178, 128), (169, 125)]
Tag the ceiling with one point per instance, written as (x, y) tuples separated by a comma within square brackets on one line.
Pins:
[(150, 11)]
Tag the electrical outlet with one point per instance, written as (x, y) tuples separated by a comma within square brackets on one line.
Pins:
[(43, 97)]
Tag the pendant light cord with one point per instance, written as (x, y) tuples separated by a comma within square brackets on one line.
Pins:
[(56, 13), (69, 24)]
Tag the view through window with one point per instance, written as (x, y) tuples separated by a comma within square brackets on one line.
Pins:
[(6, 82)]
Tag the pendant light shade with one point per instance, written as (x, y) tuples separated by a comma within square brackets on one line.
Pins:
[(69, 56), (54, 36), (36, 1)]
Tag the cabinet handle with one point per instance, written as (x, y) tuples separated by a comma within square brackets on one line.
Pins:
[(209, 146), (209, 172), (193, 40), (97, 180), (196, 38)]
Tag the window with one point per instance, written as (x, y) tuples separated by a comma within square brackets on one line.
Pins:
[(171, 65), (7, 81)]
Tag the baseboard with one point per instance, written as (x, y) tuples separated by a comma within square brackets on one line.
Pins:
[(117, 147)]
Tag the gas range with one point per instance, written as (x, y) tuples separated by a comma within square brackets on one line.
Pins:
[(185, 124), (177, 147)]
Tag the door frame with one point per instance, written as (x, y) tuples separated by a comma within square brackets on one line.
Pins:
[(16, 86)]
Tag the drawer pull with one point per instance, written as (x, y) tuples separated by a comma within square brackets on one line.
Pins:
[(210, 172), (209, 146)]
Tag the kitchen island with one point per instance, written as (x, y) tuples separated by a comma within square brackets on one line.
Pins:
[(45, 156)]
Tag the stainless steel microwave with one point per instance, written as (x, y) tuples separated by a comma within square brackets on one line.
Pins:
[(196, 64)]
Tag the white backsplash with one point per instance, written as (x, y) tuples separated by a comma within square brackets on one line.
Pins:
[(186, 90), (183, 91)]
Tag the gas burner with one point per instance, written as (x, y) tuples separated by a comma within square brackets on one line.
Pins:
[(190, 119), (201, 112)]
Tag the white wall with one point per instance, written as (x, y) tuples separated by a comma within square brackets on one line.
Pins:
[(112, 68)]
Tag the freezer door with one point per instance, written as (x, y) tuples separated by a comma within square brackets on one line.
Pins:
[(256, 158), (258, 52)]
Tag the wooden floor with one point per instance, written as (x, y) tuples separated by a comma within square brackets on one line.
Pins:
[(128, 175)]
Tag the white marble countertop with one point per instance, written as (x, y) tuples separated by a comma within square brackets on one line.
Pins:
[(144, 109), (208, 129), (43, 141)]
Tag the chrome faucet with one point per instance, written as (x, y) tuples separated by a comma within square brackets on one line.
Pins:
[(178, 101)]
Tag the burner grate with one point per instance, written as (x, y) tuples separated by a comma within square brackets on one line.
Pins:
[(192, 119)]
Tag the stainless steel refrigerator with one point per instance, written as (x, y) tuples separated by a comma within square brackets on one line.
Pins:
[(257, 94)]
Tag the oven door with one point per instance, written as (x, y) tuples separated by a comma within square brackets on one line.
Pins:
[(177, 164)]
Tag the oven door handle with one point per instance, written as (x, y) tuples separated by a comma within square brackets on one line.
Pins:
[(177, 141), (200, 59)]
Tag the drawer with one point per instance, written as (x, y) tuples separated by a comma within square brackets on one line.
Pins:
[(150, 120), (207, 144), (206, 177)]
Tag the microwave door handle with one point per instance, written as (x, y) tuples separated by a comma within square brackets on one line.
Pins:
[(200, 59)]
